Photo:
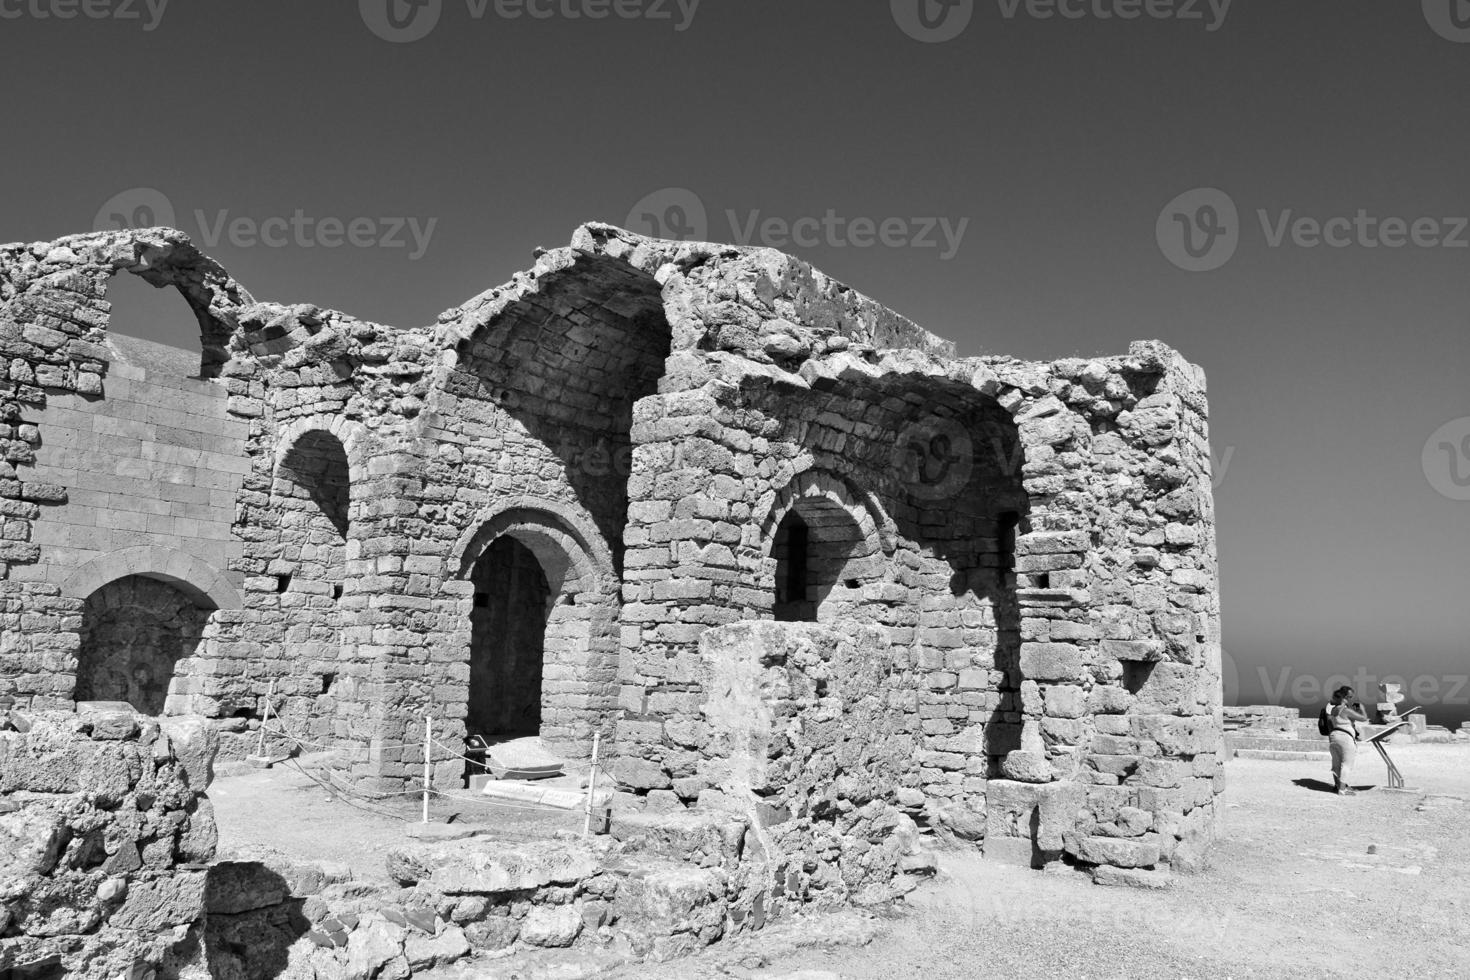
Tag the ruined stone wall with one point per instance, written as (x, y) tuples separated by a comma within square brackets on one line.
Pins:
[(105, 833), (921, 482), (113, 462), (653, 421), (811, 732)]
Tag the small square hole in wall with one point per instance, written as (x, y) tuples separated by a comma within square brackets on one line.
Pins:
[(1136, 674), (1043, 580), (283, 582), (327, 681), (853, 583), (337, 591), (482, 600)]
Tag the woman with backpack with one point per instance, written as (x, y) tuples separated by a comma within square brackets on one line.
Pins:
[(1339, 722)]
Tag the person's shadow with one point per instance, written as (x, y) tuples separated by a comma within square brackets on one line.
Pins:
[(1323, 787), (1314, 784)]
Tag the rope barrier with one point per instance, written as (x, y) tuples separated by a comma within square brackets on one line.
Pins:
[(347, 798), (566, 766), (286, 733), (369, 803), (499, 804)]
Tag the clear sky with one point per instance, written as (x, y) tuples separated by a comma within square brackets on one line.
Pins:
[(1022, 172)]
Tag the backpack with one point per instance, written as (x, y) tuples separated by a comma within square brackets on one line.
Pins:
[(1324, 722)]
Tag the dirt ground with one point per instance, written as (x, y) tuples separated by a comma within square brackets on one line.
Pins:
[(1305, 884), (288, 810)]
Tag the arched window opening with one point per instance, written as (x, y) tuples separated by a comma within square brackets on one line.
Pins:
[(314, 493), (822, 561), (135, 633)]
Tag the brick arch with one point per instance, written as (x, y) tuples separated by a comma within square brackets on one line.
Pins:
[(579, 637), (351, 434), (877, 528), (197, 579), (557, 532), (166, 257), (822, 545), (564, 355)]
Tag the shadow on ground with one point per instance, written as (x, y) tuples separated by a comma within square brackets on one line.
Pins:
[(252, 921)]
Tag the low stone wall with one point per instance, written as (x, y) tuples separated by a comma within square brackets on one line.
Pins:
[(105, 836), (809, 732), (1264, 717)]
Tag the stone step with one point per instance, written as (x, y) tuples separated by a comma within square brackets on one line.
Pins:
[(1316, 744), (1284, 756)]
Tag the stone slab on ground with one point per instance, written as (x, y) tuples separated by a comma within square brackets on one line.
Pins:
[(522, 758), (1131, 878), (443, 831), (486, 865), (538, 795)]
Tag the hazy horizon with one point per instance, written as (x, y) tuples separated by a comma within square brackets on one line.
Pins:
[(1025, 187)]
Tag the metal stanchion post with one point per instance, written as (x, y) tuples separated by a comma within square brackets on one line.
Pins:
[(428, 742), (592, 783)]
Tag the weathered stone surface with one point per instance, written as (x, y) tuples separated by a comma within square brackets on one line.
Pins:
[(194, 743), (156, 905), (665, 442), (551, 926), (483, 866), (235, 886), (1114, 851), (425, 952), (1131, 878)]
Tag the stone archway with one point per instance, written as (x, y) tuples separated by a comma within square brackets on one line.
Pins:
[(825, 546), (135, 633), (543, 630)]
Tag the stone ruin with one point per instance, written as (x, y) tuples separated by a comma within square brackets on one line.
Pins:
[(797, 563)]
